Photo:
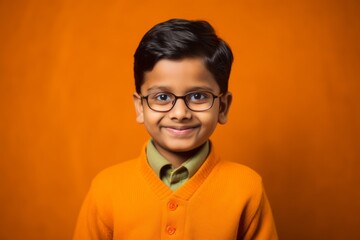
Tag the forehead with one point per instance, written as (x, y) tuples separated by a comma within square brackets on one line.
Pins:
[(179, 76)]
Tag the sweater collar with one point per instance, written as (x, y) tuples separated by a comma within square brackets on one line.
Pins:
[(189, 188), (157, 162)]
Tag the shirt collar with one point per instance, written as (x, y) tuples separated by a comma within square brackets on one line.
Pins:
[(157, 161)]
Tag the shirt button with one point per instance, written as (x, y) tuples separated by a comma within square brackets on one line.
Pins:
[(172, 205), (170, 230)]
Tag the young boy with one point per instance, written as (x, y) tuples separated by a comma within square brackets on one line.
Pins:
[(178, 188)]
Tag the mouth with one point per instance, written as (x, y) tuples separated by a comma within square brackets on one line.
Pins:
[(180, 131)]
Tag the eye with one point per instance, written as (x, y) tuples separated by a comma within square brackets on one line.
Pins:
[(161, 98), (199, 97)]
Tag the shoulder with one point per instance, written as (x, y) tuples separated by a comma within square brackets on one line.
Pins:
[(233, 171), (123, 170), (120, 170), (238, 179), (234, 175), (115, 175), (238, 171)]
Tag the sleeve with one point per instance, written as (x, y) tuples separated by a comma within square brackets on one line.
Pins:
[(94, 220), (261, 225)]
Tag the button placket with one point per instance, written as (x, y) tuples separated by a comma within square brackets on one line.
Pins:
[(174, 218)]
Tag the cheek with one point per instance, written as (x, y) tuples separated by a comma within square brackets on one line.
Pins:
[(151, 118), (210, 120)]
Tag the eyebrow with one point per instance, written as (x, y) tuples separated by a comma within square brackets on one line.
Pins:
[(167, 89), (159, 88)]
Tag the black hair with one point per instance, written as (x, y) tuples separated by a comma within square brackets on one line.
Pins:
[(177, 39)]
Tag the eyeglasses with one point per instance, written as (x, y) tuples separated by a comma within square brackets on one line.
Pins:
[(196, 101)]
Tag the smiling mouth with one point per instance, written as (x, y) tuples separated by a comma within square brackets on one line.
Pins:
[(180, 131)]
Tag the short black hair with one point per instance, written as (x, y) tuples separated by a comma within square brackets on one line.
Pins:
[(177, 39)]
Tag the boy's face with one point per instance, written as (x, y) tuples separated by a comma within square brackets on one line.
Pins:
[(180, 129)]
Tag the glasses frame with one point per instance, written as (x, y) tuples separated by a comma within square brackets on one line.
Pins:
[(184, 99)]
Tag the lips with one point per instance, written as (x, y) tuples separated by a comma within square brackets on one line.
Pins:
[(180, 131)]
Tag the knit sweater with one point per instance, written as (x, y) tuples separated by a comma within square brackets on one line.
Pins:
[(222, 201)]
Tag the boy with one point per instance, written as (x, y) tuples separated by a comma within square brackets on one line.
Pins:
[(178, 188)]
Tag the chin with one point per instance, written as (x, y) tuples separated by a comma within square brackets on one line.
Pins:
[(181, 148)]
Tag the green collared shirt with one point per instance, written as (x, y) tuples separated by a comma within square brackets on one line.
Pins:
[(175, 177)]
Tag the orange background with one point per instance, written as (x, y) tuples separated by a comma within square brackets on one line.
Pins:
[(66, 108)]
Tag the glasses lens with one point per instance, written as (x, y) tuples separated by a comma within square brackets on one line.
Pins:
[(199, 101), (161, 101)]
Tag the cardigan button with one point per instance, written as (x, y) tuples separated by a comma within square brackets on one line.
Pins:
[(170, 229), (172, 205)]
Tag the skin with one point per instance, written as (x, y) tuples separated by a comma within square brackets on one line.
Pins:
[(179, 133)]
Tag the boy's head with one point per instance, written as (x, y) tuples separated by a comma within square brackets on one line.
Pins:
[(181, 74), (177, 39)]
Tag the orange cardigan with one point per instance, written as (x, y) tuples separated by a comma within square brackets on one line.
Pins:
[(223, 200)]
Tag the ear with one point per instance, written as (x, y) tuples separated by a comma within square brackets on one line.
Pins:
[(225, 102), (138, 108)]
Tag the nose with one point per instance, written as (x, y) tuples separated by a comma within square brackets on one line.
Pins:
[(180, 111)]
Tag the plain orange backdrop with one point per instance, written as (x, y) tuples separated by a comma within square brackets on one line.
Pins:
[(66, 107)]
